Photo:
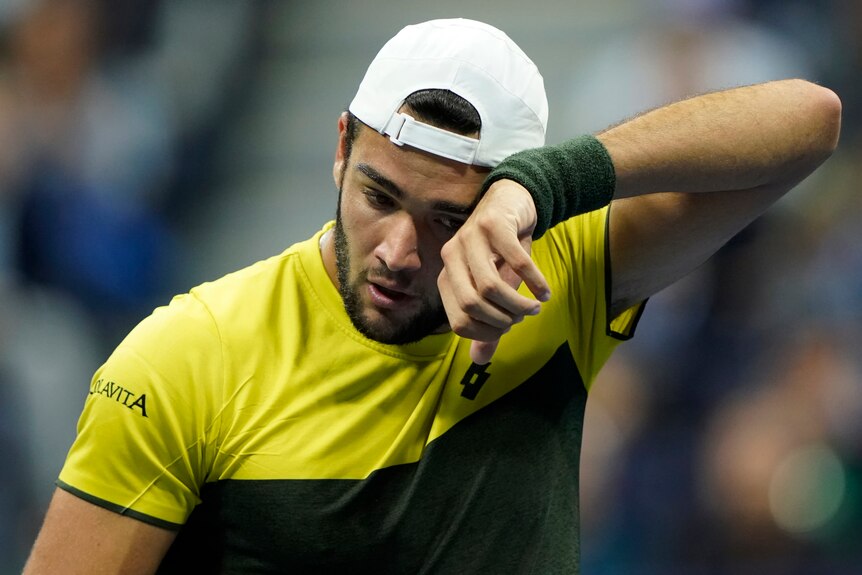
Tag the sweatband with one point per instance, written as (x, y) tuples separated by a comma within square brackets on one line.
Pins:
[(571, 178)]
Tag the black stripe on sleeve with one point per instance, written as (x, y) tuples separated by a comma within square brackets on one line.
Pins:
[(119, 508)]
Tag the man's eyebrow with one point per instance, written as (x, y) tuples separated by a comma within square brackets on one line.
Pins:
[(392, 188), (380, 180), (455, 209)]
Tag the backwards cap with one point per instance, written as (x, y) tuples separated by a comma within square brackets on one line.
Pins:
[(475, 61)]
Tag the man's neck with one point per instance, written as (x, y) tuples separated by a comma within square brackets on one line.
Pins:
[(327, 253)]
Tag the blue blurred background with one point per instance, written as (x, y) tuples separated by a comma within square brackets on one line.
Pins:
[(148, 146)]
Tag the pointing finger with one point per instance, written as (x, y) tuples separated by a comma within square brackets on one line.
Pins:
[(482, 351)]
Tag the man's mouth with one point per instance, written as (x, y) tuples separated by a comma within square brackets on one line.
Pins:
[(388, 297)]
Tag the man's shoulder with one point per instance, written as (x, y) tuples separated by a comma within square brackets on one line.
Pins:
[(581, 241), (226, 313)]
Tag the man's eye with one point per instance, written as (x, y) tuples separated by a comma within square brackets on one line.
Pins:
[(378, 199), (450, 224)]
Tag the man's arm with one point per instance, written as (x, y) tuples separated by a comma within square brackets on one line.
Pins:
[(78, 537), (747, 146)]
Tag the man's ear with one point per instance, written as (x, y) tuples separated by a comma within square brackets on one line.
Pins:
[(340, 150)]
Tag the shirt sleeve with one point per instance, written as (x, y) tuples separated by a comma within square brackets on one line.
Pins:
[(575, 257), (143, 442)]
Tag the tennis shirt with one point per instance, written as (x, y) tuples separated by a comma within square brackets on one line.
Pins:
[(251, 416)]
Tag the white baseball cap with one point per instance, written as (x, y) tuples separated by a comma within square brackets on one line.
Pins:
[(475, 61)]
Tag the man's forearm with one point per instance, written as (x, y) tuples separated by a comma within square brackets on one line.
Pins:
[(761, 135)]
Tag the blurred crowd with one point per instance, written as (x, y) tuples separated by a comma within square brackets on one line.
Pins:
[(726, 437), (107, 110)]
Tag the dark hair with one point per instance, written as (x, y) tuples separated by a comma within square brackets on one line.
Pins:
[(445, 109), (441, 108)]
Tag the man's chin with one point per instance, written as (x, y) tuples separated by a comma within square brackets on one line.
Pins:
[(384, 330), (397, 331)]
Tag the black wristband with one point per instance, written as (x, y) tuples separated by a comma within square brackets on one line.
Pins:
[(571, 178)]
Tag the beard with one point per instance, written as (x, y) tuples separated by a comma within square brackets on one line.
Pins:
[(428, 318)]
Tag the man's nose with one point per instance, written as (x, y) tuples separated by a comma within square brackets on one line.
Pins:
[(399, 249)]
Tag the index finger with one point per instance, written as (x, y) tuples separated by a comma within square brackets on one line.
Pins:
[(481, 352), (515, 255)]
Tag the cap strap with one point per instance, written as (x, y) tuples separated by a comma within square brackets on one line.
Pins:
[(404, 129)]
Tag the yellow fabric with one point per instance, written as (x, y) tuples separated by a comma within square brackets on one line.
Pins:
[(260, 375)]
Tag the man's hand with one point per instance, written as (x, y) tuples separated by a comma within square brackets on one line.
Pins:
[(485, 263)]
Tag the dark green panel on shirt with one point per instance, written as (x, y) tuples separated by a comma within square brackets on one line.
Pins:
[(496, 494)]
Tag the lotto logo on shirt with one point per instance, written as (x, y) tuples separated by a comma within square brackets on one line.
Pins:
[(123, 396)]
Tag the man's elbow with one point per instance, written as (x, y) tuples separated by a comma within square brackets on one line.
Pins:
[(826, 113), (815, 113)]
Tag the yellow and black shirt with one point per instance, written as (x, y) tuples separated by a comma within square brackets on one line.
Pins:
[(251, 416)]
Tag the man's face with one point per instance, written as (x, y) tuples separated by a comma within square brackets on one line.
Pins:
[(397, 207)]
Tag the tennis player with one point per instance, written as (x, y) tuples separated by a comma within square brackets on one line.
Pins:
[(404, 391)]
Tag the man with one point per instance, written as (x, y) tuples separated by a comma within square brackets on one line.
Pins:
[(387, 397)]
